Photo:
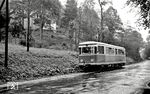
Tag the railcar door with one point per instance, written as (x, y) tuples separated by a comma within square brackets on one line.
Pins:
[(100, 54)]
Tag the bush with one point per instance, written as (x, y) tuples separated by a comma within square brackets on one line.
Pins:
[(39, 44), (147, 52), (52, 43), (23, 43), (65, 46)]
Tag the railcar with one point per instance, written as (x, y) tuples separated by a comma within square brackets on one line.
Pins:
[(99, 53)]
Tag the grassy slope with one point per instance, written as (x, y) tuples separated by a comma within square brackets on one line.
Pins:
[(55, 42), (39, 62)]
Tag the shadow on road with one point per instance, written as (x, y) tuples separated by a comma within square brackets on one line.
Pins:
[(97, 69)]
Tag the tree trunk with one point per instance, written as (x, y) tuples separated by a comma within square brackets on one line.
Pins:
[(0, 36), (22, 22), (75, 40), (28, 31), (78, 38), (79, 30), (41, 24), (101, 29), (41, 32)]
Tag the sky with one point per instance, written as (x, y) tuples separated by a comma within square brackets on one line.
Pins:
[(127, 15)]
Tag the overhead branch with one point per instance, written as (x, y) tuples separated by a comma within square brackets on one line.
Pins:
[(2, 4)]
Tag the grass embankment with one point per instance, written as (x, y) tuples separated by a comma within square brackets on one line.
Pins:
[(39, 62)]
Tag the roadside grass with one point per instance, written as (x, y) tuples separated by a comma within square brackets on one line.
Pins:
[(38, 62)]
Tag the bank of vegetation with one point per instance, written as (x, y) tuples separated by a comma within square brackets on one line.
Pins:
[(39, 62)]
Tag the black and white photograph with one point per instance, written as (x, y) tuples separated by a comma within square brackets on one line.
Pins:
[(74, 46)]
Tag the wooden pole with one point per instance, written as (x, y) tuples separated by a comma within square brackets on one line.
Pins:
[(28, 27), (6, 37)]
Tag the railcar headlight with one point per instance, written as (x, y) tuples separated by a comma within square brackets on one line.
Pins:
[(81, 60), (92, 60)]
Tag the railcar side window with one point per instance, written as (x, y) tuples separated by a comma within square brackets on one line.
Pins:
[(109, 50), (95, 48), (116, 51), (101, 49), (92, 50)]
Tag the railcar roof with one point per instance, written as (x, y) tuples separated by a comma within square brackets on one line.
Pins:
[(100, 43)]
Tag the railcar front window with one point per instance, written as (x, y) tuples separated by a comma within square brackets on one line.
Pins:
[(86, 50), (121, 52)]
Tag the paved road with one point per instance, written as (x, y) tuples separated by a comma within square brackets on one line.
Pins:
[(130, 80)]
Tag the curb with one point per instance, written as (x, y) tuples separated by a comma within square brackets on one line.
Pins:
[(4, 87)]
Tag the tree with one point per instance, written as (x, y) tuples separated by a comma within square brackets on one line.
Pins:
[(2, 24), (147, 51), (70, 13), (23, 9), (48, 12), (132, 41), (90, 20), (20, 9), (144, 10), (16, 29), (100, 32), (112, 23), (2, 20), (69, 19)]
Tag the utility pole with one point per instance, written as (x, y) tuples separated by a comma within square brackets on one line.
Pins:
[(28, 27), (6, 37), (101, 29)]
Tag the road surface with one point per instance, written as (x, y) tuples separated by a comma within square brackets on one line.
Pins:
[(129, 80)]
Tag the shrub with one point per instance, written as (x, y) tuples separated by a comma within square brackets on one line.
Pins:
[(65, 46), (52, 43), (23, 42), (39, 44)]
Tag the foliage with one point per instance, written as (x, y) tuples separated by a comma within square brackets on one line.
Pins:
[(20, 8), (2, 23), (46, 11), (144, 6), (70, 13), (90, 21), (36, 63), (147, 51), (132, 41), (112, 23), (2, 19), (112, 19), (16, 29)]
